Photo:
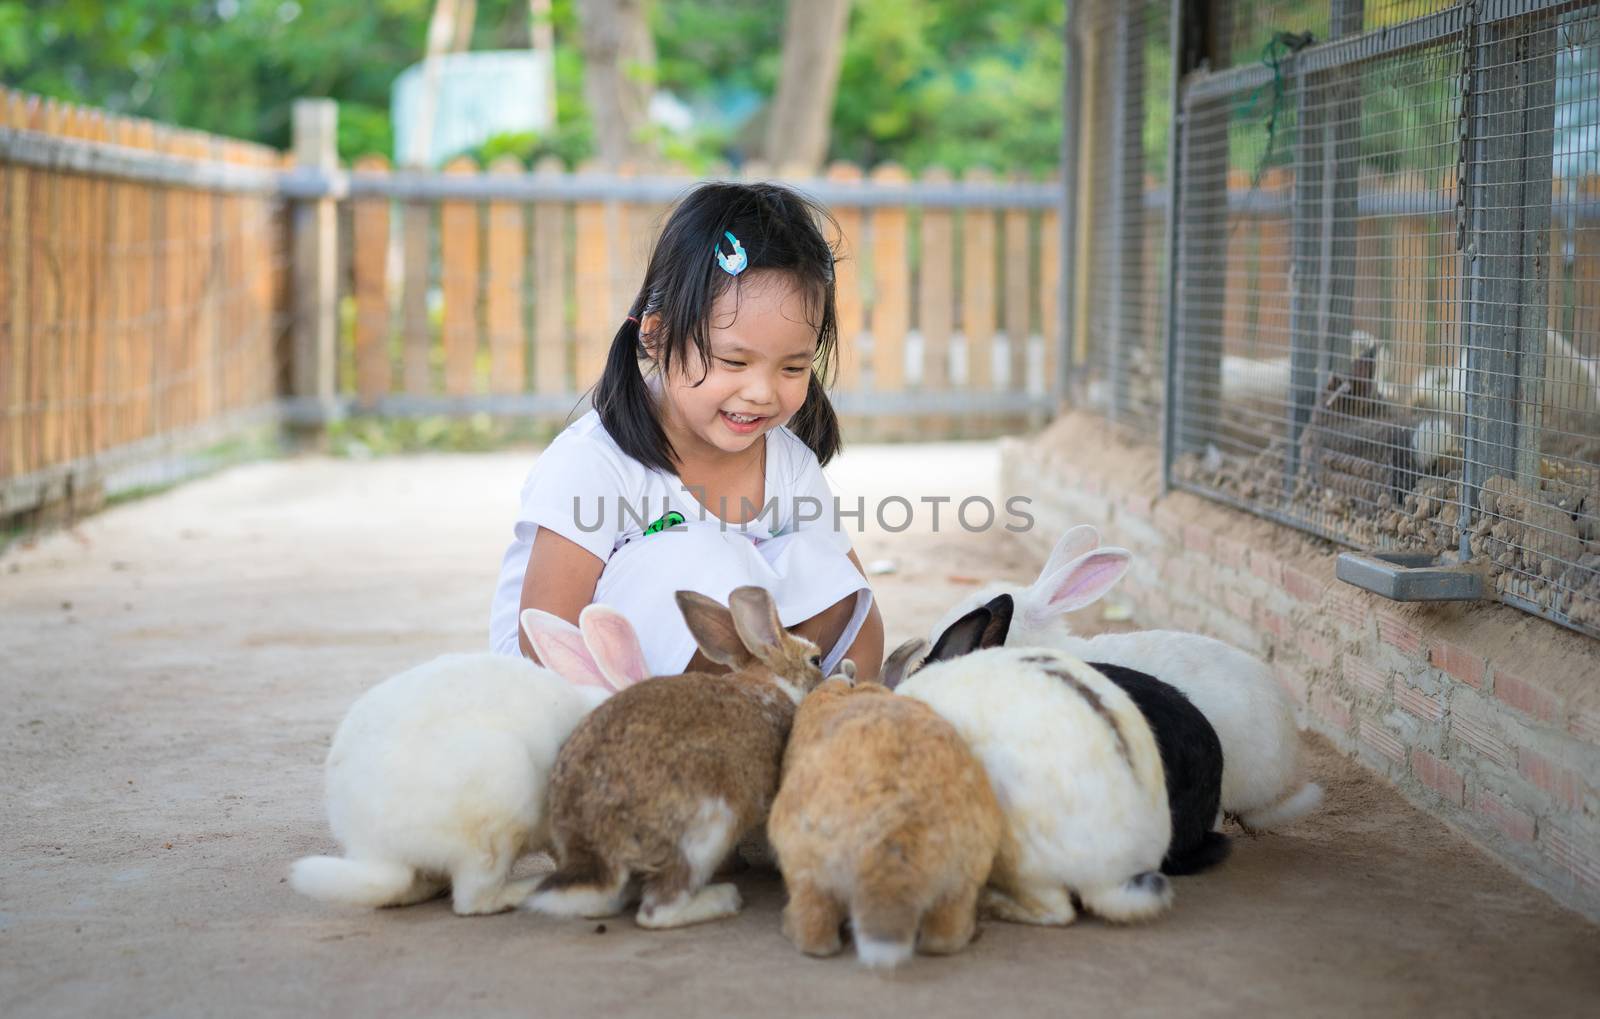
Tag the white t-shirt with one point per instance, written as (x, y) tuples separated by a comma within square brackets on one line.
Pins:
[(585, 488)]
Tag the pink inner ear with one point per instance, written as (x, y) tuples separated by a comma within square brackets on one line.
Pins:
[(1078, 541), (566, 654), (615, 646), (1087, 580)]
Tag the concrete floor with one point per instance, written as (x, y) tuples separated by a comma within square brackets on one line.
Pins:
[(173, 670)]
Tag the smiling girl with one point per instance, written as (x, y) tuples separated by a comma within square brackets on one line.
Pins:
[(700, 467)]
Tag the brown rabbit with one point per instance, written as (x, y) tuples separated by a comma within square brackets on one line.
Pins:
[(658, 783), (883, 815)]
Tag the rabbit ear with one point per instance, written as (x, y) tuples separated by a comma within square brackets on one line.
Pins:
[(712, 626), (847, 669), (1083, 581), (1078, 541), (755, 617), (1000, 609), (560, 647), (612, 641), (961, 637), (902, 662)]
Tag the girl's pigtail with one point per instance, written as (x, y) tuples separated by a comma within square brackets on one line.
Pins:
[(816, 424), (624, 401)]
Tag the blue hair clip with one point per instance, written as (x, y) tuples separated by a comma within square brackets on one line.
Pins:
[(735, 263)]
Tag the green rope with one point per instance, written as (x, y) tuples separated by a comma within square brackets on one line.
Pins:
[(1274, 55)]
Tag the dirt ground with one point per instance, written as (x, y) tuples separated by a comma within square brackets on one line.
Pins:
[(173, 670)]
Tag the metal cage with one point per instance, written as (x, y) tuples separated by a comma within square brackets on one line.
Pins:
[(1373, 308)]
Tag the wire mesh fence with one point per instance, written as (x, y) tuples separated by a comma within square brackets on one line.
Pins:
[(1387, 297), (1123, 60)]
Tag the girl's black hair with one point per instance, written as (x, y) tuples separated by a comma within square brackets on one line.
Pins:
[(780, 230)]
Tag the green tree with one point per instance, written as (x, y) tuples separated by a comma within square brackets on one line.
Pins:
[(923, 82), (952, 84), (234, 66)]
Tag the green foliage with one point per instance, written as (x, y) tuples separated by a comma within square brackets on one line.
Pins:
[(697, 151), (718, 45), (364, 437), (571, 147), (364, 129), (572, 141), (923, 81), (236, 66), (952, 84), (232, 66)]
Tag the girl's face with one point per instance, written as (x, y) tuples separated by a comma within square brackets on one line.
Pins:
[(762, 346)]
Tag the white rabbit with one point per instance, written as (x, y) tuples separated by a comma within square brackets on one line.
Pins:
[(1262, 782), (1073, 764), (437, 777)]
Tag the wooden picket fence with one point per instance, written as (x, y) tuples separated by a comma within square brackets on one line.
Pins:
[(473, 296), (132, 311), (165, 288)]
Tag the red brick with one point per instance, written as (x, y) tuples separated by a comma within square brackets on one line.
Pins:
[(1578, 857), (1316, 648), (1295, 681), (1350, 611), (1263, 565), (1382, 741), (1331, 709), (1418, 703), (1138, 505), (1199, 579), (1187, 618), (1437, 775), (1483, 740), (1517, 825), (1230, 553), (1154, 610), (1526, 697), (1180, 574), (1366, 677), (1398, 634), (1302, 586), (1197, 538), (1204, 588), (1559, 782), (1170, 515), (1239, 604), (1270, 622), (1586, 725), (1458, 662)]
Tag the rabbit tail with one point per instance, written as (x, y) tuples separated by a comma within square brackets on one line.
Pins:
[(1303, 802), (359, 882)]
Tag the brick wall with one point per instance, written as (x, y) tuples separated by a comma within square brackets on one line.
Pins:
[(1481, 714)]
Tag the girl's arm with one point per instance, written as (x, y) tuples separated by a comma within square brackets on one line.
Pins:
[(867, 649), (567, 576)]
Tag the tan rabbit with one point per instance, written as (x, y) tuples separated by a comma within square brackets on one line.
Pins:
[(883, 815), (657, 784)]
